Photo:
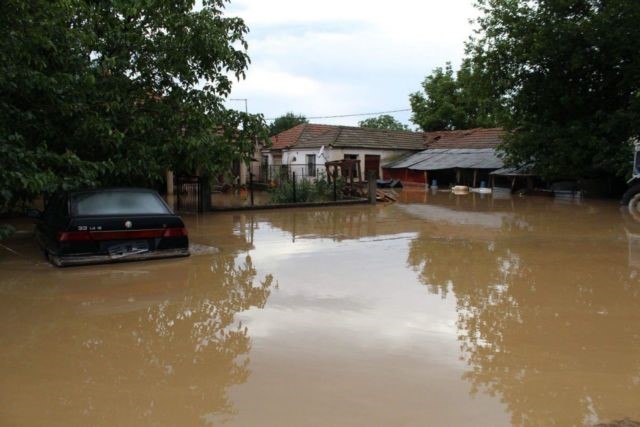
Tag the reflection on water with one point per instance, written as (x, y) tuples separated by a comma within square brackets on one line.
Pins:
[(438, 310), (547, 301), (132, 344), (548, 318)]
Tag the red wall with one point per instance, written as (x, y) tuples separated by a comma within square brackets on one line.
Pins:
[(407, 176)]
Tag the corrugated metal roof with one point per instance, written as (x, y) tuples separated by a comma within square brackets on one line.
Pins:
[(442, 158), (521, 171)]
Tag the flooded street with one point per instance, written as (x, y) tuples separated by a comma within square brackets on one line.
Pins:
[(438, 310)]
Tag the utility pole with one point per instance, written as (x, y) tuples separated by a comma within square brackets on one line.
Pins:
[(244, 167), (246, 103)]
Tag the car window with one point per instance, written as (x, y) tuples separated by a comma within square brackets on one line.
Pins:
[(117, 203)]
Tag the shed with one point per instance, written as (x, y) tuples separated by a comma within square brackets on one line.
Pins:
[(453, 157), (512, 175)]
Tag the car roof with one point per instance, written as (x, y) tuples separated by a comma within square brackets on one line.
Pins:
[(112, 189)]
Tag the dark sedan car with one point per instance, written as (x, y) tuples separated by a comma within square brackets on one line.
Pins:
[(109, 225)]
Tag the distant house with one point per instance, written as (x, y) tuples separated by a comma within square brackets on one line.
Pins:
[(465, 157), (306, 148)]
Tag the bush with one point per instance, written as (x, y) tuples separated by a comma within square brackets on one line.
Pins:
[(306, 191), (6, 230)]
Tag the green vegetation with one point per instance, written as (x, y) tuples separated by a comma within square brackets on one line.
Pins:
[(286, 122), (562, 76), (6, 230), (450, 102), (116, 93), (383, 121), (568, 72), (306, 191)]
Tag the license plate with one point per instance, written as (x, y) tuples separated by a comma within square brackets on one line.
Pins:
[(123, 249)]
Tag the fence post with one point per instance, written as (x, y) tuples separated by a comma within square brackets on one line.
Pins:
[(371, 180), (335, 187), (200, 194), (294, 187), (203, 194), (251, 186), (178, 190)]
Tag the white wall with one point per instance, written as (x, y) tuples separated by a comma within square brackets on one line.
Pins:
[(331, 154)]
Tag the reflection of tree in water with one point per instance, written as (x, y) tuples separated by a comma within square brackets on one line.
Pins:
[(197, 340), (549, 326), (154, 344), (441, 263), (337, 224)]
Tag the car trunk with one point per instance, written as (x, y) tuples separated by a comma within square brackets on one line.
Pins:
[(119, 235)]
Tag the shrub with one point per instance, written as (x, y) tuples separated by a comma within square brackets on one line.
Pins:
[(306, 191)]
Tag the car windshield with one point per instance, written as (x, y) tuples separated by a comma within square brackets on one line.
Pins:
[(117, 203)]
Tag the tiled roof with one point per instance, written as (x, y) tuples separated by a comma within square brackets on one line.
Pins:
[(472, 138), (287, 138), (315, 136)]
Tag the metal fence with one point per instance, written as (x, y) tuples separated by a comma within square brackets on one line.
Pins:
[(278, 173), (191, 194), (282, 184)]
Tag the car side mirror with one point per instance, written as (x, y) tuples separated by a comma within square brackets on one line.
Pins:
[(33, 213)]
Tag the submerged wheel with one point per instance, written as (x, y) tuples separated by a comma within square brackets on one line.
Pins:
[(631, 199)]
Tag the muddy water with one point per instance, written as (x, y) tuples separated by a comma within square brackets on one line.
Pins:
[(438, 310)]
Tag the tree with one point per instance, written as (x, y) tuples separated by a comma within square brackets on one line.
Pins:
[(116, 93), (568, 72), (451, 102), (384, 121), (286, 122)]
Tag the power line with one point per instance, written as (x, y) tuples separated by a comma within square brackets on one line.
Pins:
[(355, 115)]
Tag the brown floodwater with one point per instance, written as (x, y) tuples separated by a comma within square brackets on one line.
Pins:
[(439, 310)]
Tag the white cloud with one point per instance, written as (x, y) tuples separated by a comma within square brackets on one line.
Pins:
[(340, 57), (272, 82), (273, 91)]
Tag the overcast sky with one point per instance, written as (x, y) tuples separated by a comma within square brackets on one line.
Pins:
[(335, 57)]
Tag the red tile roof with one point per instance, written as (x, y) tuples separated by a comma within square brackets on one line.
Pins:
[(471, 138), (314, 136), (287, 138), (310, 135)]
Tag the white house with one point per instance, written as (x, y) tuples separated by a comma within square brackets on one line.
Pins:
[(305, 148)]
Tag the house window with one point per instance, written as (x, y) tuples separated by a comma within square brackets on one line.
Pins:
[(311, 164)]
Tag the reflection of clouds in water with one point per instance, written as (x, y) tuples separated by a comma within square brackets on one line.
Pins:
[(541, 323), (343, 291), (508, 265), (458, 217)]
